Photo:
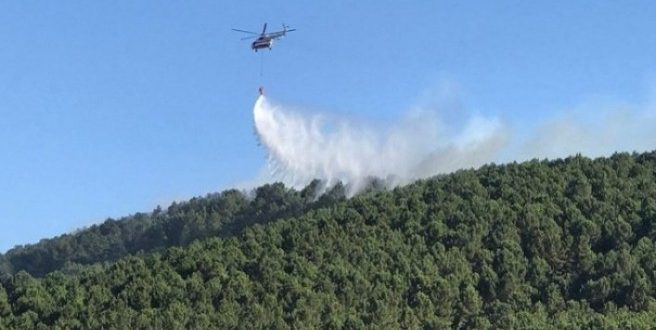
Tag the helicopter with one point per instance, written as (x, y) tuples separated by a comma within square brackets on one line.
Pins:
[(265, 40)]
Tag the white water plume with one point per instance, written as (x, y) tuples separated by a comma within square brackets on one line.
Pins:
[(303, 147)]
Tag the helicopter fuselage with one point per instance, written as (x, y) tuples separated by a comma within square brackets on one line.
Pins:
[(264, 39), (261, 43)]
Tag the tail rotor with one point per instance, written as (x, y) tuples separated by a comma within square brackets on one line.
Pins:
[(285, 29)]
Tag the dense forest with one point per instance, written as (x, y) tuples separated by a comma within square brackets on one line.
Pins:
[(543, 244), (224, 214)]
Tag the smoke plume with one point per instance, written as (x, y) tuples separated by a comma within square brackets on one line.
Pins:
[(594, 130)]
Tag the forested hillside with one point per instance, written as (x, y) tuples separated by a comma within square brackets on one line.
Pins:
[(542, 244), (222, 214)]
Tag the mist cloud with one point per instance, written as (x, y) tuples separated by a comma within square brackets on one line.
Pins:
[(303, 147)]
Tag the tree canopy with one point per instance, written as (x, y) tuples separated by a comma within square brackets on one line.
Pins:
[(567, 243)]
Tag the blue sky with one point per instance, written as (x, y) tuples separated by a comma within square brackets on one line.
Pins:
[(111, 108)]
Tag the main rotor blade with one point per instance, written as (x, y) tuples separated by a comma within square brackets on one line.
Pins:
[(246, 38), (290, 30), (238, 30), (264, 28)]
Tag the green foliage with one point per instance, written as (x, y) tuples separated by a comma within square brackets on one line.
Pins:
[(539, 245), (225, 214)]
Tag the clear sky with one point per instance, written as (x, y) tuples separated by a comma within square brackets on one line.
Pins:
[(111, 108)]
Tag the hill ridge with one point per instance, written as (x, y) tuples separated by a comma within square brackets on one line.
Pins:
[(567, 243)]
